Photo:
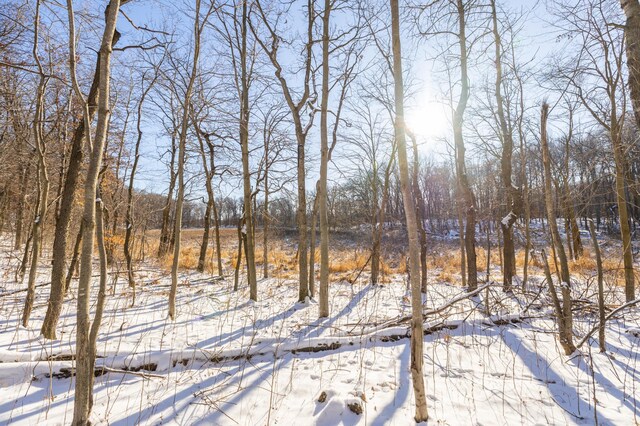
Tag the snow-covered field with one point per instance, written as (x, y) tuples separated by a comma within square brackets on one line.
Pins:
[(228, 361)]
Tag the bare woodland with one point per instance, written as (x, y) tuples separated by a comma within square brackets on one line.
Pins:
[(446, 155)]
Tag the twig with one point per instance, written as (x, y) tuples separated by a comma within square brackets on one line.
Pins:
[(607, 318)]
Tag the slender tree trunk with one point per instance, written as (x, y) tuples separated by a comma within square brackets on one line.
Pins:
[(417, 341), (165, 237), (84, 360), (420, 208), (129, 214), (509, 212), (43, 179), (463, 251), (323, 307), (565, 319), (236, 275), (461, 168), (182, 148), (216, 224), (312, 242), (74, 261), (265, 219), (382, 208), (601, 313), (102, 291), (24, 186), (246, 172)]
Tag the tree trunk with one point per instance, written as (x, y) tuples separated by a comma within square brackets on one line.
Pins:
[(236, 275), (323, 306), (461, 168), (509, 211), (182, 148), (417, 339), (631, 10), (420, 213), (24, 186), (129, 214), (565, 319), (84, 360), (246, 172), (74, 261), (312, 242), (601, 313), (102, 290), (265, 219), (623, 212), (43, 178)]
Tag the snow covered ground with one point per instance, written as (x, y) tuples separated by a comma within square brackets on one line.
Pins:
[(228, 361)]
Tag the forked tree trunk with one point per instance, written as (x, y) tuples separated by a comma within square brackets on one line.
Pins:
[(417, 338), (84, 359)]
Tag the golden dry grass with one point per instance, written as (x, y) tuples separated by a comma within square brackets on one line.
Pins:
[(345, 264)]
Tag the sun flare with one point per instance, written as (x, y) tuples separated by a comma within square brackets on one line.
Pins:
[(429, 121)]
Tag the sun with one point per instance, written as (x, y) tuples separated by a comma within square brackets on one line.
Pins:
[(429, 121)]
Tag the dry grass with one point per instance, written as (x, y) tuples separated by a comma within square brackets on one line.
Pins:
[(346, 263)]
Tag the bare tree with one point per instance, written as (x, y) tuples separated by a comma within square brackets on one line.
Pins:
[(43, 175), (198, 25), (130, 190), (84, 360), (563, 312), (421, 414), (297, 109)]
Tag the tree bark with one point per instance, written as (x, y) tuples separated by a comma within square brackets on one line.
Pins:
[(461, 168), (509, 212), (631, 10), (182, 153), (323, 306), (417, 341), (84, 364), (601, 313), (565, 319), (246, 172), (43, 176)]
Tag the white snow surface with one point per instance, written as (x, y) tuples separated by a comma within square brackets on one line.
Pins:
[(476, 372)]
